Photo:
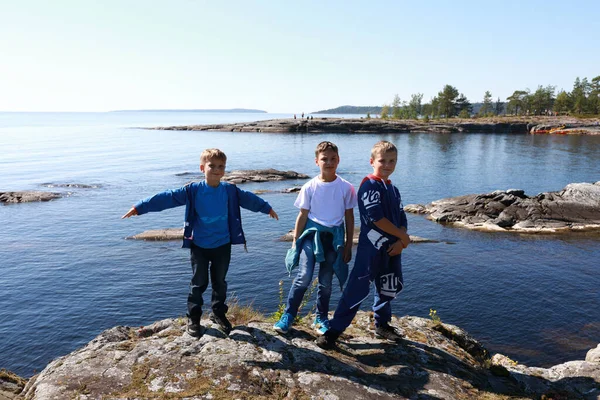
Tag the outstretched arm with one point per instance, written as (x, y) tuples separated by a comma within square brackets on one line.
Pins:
[(159, 202)]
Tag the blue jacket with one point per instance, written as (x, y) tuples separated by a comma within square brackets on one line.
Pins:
[(340, 268), (186, 195)]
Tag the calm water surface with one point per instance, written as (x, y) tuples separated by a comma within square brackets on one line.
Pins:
[(68, 274)]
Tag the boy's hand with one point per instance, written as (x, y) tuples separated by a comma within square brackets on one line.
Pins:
[(273, 214), (132, 211), (405, 239), (347, 252), (395, 248)]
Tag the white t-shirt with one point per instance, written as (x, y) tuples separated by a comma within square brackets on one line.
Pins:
[(327, 202)]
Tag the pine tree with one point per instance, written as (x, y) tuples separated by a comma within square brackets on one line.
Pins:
[(486, 108), (447, 98)]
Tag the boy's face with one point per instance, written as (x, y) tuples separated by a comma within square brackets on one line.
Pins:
[(384, 164), (213, 169), (328, 161)]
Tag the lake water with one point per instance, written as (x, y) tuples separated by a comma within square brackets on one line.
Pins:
[(67, 273)]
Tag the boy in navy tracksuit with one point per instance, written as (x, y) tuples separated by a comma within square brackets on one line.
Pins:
[(212, 224), (382, 238)]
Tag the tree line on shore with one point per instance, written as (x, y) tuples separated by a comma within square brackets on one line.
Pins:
[(582, 100)]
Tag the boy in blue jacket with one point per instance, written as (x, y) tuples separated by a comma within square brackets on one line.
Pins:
[(212, 224), (382, 238)]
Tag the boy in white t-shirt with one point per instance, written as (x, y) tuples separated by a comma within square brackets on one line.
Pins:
[(325, 203)]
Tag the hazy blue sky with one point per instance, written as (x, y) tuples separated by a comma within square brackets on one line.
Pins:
[(284, 56)]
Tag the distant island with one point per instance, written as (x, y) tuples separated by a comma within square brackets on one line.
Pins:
[(217, 110), (351, 110)]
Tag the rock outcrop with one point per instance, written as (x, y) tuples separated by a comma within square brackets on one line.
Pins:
[(10, 385), (433, 361), (27, 196), (159, 235), (261, 175), (533, 124), (349, 125), (575, 208), (255, 175), (575, 128)]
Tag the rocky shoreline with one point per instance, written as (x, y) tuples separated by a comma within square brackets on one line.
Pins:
[(558, 125), (434, 360), (576, 208)]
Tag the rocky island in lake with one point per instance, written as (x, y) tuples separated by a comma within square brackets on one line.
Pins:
[(576, 208), (256, 175), (533, 124), (27, 196)]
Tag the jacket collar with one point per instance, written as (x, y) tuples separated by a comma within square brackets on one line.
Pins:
[(376, 178)]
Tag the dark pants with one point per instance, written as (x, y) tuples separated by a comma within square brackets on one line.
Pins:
[(218, 258), (357, 290)]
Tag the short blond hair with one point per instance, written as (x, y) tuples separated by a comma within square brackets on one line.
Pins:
[(383, 147), (324, 146), (210, 154)]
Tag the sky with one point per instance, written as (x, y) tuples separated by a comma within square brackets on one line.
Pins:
[(284, 56)]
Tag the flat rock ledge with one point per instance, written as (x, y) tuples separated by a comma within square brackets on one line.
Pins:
[(289, 236), (433, 361), (573, 128), (576, 208), (27, 196), (177, 234)]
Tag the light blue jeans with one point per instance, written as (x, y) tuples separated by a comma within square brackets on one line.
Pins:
[(306, 269)]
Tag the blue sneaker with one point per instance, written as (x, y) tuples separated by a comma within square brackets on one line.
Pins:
[(284, 324), (321, 325)]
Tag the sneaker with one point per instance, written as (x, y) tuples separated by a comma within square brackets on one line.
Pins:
[(388, 332), (320, 325), (328, 339), (194, 329), (284, 324), (222, 321)]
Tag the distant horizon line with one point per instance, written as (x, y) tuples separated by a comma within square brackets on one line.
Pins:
[(225, 110)]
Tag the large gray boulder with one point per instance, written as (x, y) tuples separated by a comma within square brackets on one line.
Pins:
[(575, 208), (433, 361)]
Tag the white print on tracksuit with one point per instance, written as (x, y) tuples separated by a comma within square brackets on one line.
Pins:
[(371, 198)]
